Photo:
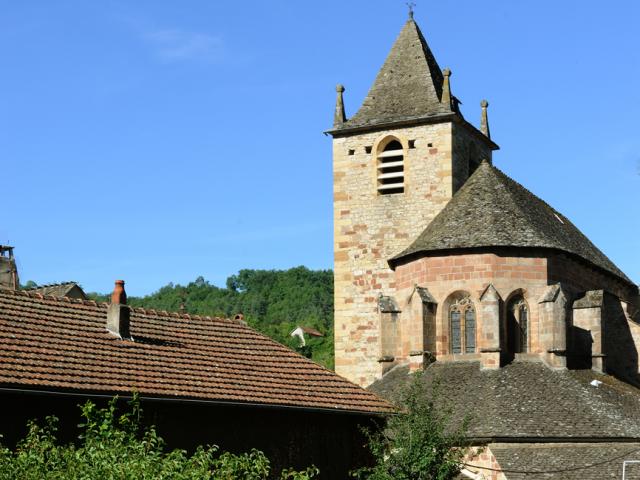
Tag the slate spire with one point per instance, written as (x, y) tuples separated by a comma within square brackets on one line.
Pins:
[(409, 84)]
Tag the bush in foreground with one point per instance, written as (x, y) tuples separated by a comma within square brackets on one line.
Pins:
[(116, 446), (420, 441)]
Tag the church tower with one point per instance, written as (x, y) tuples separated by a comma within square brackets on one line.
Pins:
[(396, 163)]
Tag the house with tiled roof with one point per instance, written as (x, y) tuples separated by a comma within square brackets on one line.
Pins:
[(300, 332), (202, 380), (444, 264), (64, 289)]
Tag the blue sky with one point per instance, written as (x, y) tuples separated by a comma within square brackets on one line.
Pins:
[(157, 141)]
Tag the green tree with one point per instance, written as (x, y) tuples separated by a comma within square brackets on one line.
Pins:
[(116, 446), (420, 441), (274, 302)]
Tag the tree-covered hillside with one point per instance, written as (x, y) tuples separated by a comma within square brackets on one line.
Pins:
[(272, 301)]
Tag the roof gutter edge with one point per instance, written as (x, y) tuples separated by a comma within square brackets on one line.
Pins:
[(441, 117), (193, 401), (485, 440), (423, 120)]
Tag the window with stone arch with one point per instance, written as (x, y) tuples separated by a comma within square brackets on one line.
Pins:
[(390, 167), (462, 325), (517, 325)]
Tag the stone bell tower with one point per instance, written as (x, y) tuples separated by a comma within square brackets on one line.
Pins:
[(396, 163)]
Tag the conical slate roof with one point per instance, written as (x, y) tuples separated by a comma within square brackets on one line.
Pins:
[(492, 210), (409, 84)]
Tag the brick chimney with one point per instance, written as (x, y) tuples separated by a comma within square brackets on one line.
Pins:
[(118, 319), (8, 271)]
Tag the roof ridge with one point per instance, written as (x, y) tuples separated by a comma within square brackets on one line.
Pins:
[(41, 296), (55, 284), (142, 310), (174, 314)]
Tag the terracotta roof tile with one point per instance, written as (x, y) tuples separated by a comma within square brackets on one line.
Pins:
[(51, 343)]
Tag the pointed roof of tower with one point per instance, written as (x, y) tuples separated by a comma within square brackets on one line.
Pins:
[(409, 84), (492, 210)]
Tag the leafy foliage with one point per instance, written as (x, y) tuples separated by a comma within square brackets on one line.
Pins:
[(28, 285), (114, 446), (419, 442), (273, 302)]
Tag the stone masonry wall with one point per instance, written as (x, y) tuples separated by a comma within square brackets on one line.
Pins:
[(581, 278), (586, 338), (621, 340), (370, 228), (467, 149), (509, 274), (472, 273), (482, 462)]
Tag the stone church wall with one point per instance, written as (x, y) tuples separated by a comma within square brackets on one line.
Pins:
[(621, 341), (579, 277), (470, 273), (370, 228), (485, 464), (468, 151), (595, 318)]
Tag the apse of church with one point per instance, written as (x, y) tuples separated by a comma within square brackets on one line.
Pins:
[(439, 256)]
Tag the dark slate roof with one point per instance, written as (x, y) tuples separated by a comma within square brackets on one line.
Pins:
[(492, 210), (62, 344), (409, 84), (527, 400), (65, 289), (569, 461)]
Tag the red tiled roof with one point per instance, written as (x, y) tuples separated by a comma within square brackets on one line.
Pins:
[(312, 331), (63, 344)]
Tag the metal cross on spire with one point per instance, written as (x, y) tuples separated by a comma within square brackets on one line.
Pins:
[(411, 5)]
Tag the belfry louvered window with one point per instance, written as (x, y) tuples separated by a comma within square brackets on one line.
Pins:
[(462, 326), (390, 169)]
